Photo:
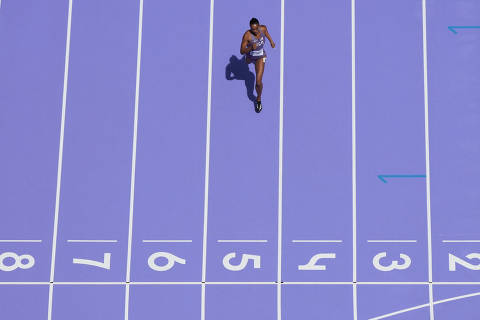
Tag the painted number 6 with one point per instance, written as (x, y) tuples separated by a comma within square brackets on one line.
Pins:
[(171, 260)]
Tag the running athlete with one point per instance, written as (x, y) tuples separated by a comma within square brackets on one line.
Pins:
[(252, 47)]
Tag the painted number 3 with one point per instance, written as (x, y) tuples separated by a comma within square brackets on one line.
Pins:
[(24, 261), (395, 265)]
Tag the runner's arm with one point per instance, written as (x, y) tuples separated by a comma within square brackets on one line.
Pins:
[(244, 48), (265, 30)]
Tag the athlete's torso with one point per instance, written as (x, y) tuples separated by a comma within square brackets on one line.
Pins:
[(259, 51)]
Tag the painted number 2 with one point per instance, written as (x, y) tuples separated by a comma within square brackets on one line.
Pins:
[(18, 261), (395, 265), (453, 260)]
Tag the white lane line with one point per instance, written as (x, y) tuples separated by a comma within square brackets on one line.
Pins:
[(134, 159), (427, 157), (425, 305), (93, 241), (240, 241), (14, 241), (207, 162), (280, 162), (155, 241), (354, 164), (392, 241), (456, 283), (400, 311), (317, 283), (317, 241), (460, 241), (60, 160), (239, 282)]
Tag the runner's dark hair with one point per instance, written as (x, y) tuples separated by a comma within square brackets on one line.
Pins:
[(254, 21)]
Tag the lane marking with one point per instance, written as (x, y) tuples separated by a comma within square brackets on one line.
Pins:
[(134, 159), (60, 160), (317, 241), (383, 176), (207, 161), (452, 28), (392, 241), (427, 158), (20, 241), (93, 241), (154, 241), (425, 305), (280, 162), (354, 164), (461, 241), (240, 241), (236, 282)]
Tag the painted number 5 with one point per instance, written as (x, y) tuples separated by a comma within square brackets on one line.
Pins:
[(395, 265), (243, 262)]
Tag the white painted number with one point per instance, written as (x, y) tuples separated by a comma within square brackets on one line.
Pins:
[(453, 260), (312, 264), (18, 261), (394, 265), (243, 262), (171, 259), (105, 264)]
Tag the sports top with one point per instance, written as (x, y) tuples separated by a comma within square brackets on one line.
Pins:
[(259, 51)]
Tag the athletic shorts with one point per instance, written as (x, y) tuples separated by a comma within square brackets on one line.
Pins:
[(254, 59)]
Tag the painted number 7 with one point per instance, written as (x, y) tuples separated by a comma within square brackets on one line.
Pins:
[(105, 264)]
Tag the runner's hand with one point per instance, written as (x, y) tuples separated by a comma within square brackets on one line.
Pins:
[(272, 44)]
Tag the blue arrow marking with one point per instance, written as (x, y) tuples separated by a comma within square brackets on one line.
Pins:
[(383, 176), (452, 28)]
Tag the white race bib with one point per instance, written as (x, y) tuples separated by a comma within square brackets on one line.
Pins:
[(257, 53)]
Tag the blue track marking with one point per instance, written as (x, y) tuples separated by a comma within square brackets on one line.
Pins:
[(383, 176), (452, 28)]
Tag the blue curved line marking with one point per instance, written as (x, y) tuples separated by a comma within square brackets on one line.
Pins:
[(452, 28), (383, 176)]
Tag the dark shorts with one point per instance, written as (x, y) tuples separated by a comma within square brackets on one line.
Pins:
[(249, 58)]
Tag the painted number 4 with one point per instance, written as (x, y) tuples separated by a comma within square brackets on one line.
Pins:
[(453, 260), (312, 264)]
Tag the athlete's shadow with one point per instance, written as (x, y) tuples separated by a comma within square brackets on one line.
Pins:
[(238, 69)]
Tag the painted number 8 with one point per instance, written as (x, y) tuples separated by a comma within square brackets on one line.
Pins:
[(30, 261)]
